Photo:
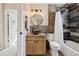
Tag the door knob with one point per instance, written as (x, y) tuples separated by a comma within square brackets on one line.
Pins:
[(20, 33)]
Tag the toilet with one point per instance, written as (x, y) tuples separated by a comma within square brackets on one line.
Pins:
[(53, 44)]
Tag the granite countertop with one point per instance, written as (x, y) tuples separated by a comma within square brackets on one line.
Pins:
[(40, 34)]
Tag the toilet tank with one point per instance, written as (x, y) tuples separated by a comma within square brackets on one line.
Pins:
[(50, 36)]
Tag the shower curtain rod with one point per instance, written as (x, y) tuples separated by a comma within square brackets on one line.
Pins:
[(62, 7), (65, 6)]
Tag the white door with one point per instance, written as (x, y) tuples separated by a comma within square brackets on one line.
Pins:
[(11, 17)]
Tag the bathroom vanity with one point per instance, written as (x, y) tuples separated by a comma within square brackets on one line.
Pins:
[(35, 44)]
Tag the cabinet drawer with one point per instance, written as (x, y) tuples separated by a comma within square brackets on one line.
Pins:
[(35, 38)]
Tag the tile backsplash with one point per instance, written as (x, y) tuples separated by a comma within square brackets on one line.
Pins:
[(43, 29)]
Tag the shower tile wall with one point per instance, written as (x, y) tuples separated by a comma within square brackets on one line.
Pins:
[(71, 23), (74, 22), (66, 24)]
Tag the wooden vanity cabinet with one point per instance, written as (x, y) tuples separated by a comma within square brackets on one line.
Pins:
[(35, 45)]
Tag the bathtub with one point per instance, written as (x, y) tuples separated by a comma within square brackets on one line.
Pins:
[(10, 51), (70, 48)]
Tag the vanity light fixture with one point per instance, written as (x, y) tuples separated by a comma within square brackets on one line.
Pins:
[(36, 10)]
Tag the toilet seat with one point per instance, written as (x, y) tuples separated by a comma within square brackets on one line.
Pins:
[(54, 44)]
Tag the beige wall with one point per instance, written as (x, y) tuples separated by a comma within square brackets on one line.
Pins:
[(10, 6)]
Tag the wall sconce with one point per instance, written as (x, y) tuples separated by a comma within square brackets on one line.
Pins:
[(36, 10)]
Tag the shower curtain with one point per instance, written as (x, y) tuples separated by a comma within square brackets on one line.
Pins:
[(59, 29)]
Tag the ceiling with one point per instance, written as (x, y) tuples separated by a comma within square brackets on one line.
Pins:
[(57, 5)]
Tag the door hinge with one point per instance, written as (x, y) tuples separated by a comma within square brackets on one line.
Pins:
[(8, 40)]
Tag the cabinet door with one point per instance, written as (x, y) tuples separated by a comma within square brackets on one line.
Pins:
[(31, 48), (41, 47), (36, 46)]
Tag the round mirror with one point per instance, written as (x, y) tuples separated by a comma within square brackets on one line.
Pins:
[(36, 19)]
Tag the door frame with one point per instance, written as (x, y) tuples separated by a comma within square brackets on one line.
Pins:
[(21, 41)]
